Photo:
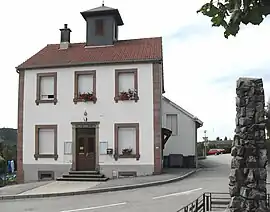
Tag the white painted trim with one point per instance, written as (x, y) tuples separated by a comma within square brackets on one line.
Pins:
[(101, 46), (177, 194), (96, 207)]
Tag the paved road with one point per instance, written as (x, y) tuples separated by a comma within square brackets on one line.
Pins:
[(169, 197)]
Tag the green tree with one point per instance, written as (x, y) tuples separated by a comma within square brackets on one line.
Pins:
[(268, 119), (225, 139), (230, 14), (2, 165)]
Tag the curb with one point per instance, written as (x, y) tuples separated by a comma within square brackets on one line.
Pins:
[(99, 190)]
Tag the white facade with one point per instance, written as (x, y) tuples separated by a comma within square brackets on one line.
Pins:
[(105, 111), (183, 126)]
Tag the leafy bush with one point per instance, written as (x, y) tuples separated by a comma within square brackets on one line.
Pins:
[(3, 165), (268, 148), (268, 119)]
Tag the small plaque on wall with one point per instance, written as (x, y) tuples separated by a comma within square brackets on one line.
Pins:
[(103, 145), (68, 148)]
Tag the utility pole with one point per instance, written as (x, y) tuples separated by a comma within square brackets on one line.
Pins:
[(205, 138)]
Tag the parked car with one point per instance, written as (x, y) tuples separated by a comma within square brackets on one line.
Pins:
[(215, 151)]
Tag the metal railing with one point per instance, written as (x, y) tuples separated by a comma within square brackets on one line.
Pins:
[(211, 201)]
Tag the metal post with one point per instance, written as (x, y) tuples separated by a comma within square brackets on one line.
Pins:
[(210, 201), (207, 203), (203, 202)]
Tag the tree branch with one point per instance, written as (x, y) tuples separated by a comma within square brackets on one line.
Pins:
[(237, 11)]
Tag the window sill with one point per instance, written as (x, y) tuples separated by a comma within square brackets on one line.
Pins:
[(40, 101), (118, 98), (76, 100), (37, 156), (137, 156)]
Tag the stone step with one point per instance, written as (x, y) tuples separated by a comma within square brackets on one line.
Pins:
[(84, 172), (83, 179), (83, 175)]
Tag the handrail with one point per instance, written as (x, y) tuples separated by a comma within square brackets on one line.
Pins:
[(210, 201)]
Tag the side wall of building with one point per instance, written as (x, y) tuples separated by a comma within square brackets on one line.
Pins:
[(184, 142)]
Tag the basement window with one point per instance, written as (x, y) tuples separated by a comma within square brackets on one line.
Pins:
[(45, 175)]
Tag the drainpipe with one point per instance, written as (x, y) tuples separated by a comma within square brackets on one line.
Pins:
[(197, 126), (196, 150)]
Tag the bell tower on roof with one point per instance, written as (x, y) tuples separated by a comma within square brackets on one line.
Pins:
[(102, 25)]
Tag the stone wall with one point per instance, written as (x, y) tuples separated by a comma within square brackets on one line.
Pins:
[(247, 180)]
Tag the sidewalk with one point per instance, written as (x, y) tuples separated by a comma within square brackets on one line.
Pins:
[(66, 188)]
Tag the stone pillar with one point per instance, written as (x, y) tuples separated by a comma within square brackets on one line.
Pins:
[(247, 180)]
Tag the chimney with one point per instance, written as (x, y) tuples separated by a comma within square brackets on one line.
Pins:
[(65, 37)]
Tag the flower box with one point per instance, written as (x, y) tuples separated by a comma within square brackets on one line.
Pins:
[(127, 151), (87, 97), (128, 95)]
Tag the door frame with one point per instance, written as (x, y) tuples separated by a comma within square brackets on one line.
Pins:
[(76, 125)]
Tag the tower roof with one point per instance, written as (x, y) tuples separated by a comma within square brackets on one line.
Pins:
[(103, 11)]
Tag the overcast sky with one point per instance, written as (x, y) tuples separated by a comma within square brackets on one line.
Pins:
[(201, 67)]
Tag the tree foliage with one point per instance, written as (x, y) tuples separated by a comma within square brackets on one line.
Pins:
[(8, 141), (8, 152), (2, 166), (230, 14), (268, 119)]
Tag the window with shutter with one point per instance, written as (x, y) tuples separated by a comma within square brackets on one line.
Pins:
[(85, 86), (46, 91), (126, 140), (99, 30), (46, 141), (172, 123), (126, 85)]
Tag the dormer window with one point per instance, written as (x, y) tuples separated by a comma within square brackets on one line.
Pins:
[(99, 27)]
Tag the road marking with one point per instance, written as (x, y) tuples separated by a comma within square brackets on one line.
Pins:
[(177, 194), (96, 207)]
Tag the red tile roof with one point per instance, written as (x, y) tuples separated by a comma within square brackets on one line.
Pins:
[(145, 49)]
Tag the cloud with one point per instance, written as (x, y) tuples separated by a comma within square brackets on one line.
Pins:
[(193, 29), (200, 65), (257, 73)]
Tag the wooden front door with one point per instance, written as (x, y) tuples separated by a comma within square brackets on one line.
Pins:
[(86, 150)]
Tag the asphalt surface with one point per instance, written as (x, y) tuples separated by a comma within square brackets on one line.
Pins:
[(168, 197)]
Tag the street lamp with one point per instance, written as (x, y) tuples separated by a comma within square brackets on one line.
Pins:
[(205, 138)]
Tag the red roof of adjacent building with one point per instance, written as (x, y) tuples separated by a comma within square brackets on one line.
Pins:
[(136, 50)]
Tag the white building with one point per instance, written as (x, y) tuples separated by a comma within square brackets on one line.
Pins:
[(183, 126), (92, 107), (117, 130)]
